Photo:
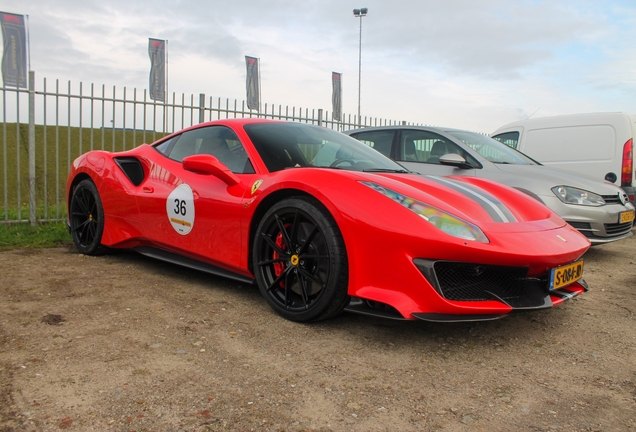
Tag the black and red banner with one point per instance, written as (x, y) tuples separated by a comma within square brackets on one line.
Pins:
[(253, 83), (157, 53), (14, 59), (336, 96)]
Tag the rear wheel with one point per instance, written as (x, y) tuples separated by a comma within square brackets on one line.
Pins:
[(87, 218), (300, 261)]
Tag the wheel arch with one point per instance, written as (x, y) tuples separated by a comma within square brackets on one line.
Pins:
[(266, 204), (76, 180)]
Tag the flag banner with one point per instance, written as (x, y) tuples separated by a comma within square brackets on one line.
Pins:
[(157, 53), (336, 97), (253, 84), (14, 59)]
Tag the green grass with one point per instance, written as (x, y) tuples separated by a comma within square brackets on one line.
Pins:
[(55, 149), (23, 235)]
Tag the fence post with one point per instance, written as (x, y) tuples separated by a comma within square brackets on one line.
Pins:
[(32, 217), (201, 107), (319, 116)]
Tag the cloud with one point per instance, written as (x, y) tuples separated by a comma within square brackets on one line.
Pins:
[(454, 63), (493, 40)]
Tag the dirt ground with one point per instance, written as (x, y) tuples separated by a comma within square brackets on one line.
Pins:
[(126, 343)]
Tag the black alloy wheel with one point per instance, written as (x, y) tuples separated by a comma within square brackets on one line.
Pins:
[(87, 218), (300, 261)]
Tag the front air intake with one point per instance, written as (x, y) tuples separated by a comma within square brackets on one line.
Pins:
[(460, 281)]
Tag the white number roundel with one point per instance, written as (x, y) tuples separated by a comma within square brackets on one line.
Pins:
[(180, 209)]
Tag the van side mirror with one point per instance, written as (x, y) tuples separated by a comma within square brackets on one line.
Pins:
[(453, 159)]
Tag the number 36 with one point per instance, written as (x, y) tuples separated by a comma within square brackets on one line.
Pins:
[(180, 207)]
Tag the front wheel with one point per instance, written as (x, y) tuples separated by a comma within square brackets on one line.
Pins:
[(87, 218), (300, 261)]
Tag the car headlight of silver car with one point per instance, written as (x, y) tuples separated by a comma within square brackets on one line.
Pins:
[(440, 219), (572, 195)]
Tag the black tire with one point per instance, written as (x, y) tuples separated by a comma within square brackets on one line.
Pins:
[(87, 218), (299, 246)]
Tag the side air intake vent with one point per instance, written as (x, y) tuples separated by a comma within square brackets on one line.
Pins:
[(132, 168)]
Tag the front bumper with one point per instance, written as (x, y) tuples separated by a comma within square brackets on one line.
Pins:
[(599, 224), (552, 299), (378, 309), (511, 286), (478, 292)]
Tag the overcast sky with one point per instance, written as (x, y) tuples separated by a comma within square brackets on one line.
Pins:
[(462, 63)]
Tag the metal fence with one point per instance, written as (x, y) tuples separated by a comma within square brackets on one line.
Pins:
[(45, 127)]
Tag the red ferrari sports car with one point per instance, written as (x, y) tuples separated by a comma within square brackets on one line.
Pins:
[(323, 223)]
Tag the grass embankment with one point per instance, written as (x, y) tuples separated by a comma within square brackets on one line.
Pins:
[(55, 148), (20, 235)]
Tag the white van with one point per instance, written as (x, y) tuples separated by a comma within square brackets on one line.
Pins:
[(596, 145)]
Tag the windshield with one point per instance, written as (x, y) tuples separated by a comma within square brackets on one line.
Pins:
[(295, 145), (491, 149)]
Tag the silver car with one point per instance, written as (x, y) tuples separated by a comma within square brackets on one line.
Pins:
[(600, 211)]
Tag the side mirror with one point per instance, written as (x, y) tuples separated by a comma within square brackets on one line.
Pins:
[(209, 165), (453, 159)]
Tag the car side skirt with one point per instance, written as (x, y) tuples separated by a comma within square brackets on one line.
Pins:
[(181, 260)]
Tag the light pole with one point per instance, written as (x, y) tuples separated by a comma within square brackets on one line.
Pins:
[(359, 13)]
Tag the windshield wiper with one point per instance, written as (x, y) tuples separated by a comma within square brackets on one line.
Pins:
[(346, 167), (387, 170)]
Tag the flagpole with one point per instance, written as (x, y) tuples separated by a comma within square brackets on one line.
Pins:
[(28, 41), (166, 97)]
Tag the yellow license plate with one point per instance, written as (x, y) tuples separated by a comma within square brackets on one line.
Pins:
[(565, 275), (626, 216)]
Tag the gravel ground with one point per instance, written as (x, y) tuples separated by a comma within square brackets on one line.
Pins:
[(122, 342)]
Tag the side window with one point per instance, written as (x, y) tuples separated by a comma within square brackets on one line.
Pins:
[(511, 139), (377, 140), (166, 146), (424, 146), (222, 143), (185, 145), (218, 141)]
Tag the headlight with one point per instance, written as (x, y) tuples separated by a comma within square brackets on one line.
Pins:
[(442, 220), (571, 195)]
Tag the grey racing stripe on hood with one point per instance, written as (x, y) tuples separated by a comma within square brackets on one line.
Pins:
[(495, 208)]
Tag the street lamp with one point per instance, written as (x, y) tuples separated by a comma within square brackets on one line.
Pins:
[(359, 13)]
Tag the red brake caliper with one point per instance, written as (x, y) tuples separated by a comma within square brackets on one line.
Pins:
[(279, 267)]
